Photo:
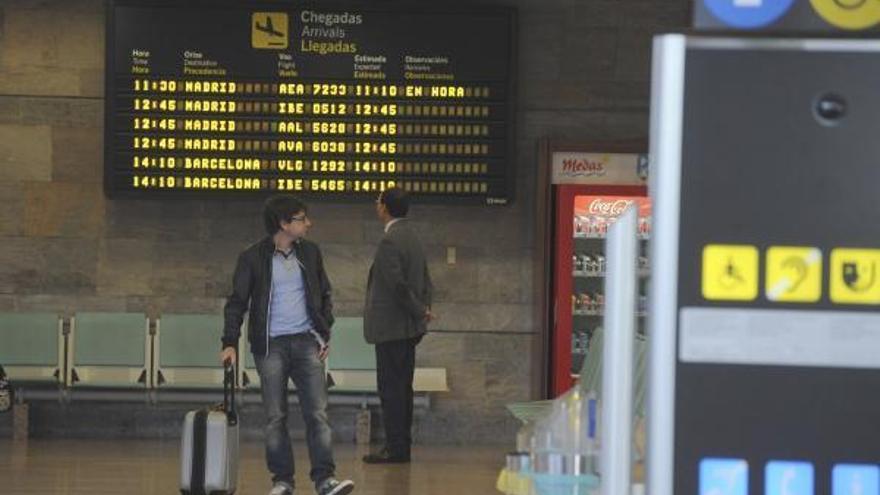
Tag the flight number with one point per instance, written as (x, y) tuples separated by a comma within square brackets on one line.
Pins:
[(329, 89)]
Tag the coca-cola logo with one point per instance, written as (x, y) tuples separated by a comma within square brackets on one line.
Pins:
[(575, 167), (609, 208)]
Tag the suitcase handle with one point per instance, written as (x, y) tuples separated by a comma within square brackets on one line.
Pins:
[(229, 394)]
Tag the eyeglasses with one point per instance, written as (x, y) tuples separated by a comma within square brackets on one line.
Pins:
[(298, 219)]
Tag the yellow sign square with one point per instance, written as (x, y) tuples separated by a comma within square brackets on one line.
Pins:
[(794, 274), (855, 276), (730, 272), (849, 14), (269, 30)]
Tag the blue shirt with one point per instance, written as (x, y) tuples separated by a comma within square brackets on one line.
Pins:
[(287, 308)]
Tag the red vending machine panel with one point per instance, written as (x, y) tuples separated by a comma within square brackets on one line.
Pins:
[(583, 215)]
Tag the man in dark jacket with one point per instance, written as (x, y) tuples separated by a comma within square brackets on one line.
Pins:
[(281, 283), (397, 311)]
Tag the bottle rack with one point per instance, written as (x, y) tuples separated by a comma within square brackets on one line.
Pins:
[(588, 273)]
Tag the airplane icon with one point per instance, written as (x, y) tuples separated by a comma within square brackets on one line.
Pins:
[(268, 27), (269, 30)]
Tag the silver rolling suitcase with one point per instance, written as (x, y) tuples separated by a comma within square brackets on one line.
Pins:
[(209, 446)]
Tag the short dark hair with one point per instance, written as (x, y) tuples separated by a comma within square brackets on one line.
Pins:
[(396, 200), (280, 208)]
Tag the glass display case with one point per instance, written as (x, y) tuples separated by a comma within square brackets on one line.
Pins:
[(583, 215)]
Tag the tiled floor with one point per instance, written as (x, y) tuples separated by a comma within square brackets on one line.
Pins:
[(138, 467)]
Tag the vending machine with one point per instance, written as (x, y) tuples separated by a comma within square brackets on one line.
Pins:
[(589, 188)]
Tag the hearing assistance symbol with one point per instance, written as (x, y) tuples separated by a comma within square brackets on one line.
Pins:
[(269, 30), (794, 274), (855, 276), (730, 272)]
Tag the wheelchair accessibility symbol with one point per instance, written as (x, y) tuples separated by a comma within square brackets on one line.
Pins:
[(730, 272)]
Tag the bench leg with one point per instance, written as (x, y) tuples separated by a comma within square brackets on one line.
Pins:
[(362, 427), (20, 421)]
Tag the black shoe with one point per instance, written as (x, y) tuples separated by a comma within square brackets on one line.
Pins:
[(384, 456)]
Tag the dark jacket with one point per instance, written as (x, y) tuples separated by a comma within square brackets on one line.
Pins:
[(251, 290), (398, 288)]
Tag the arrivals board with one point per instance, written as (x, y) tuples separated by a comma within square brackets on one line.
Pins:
[(323, 100)]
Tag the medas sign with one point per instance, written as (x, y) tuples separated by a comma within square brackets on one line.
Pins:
[(620, 169)]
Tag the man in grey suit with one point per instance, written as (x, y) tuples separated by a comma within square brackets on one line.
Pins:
[(397, 311)]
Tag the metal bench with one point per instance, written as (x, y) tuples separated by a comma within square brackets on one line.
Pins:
[(109, 350), (126, 357)]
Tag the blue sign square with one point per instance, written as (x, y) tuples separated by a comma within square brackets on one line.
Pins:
[(724, 476), (748, 14), (855, 479), (788, 478)]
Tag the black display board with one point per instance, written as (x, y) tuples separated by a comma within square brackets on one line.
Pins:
[(325, 100), (766, 306)]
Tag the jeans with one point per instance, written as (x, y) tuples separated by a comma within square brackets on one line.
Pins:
[(295, 357)]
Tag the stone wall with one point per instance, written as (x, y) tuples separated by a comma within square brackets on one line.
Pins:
[(583, 70)]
